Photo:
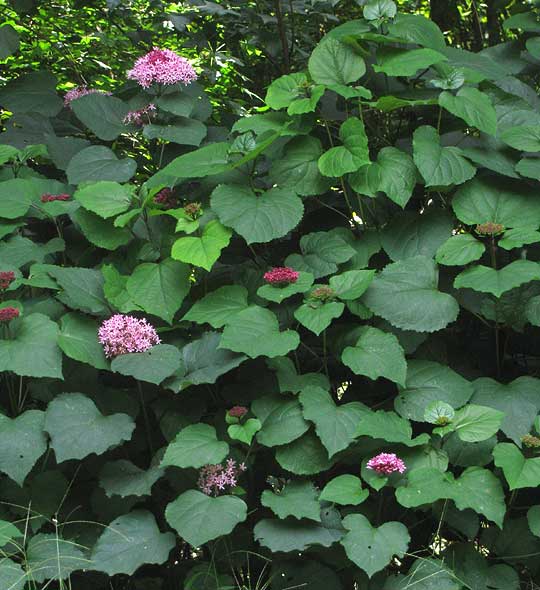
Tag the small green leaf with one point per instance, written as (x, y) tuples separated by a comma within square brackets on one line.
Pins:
[(246, 431), (518, 237), (522, 137), (473, 106), (50, 557), (388, 426), (518, 471), (78, 339), (104, 198), (406, 62), (298, 499), (305, 455), (350, 156), (352, 283), (15, 198), (218, 307), (153, 365), (345, 490), (317, 317), (195, 446), (281, 418), (279, 294), (476, 423), (459, 250), (203, 251)]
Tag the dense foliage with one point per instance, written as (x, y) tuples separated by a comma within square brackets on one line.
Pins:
[(269, 343)]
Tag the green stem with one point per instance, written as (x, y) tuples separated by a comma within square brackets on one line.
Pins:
[(146, 419)]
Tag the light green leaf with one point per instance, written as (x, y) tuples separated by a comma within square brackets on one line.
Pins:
[(82, 288), (78, 339), (78, 429), (405, 294), (529, 167), (390, 427), (417, 28), (22, 442), (129, 542), (204, 250), (102, 114), (488, 280), (15, 197), (473, 106), (218, 307), (350, 156), (333, 62), (195, 446), (439, 413), (246, 431), (429, 382), (257, 218), (281, 418), (406, 62), (335, 425), (153, 365), (371, 548), (345, 490), (476, 423), (255, 332), (99, 163), (306, 455), (278, 294), (12, 576), (298, 499), (439, 166), (397, 174), (375, 10), (522, 137), (100, 232), (123, 478), (104, 198), (317, 317), (376, 354), (159, 289), (460, 250), (518, 471), (352, 283), (199, 518)]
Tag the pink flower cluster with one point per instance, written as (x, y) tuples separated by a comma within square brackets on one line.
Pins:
[(166, 198), (47, 198), (238, 411), (6, 278), (162, 66), (386, 463), (121, 334), (281, 275), (141, 116), (214, 479), (79, 91), (8, 313)]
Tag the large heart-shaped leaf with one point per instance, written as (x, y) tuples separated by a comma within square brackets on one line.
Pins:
[(390, 427), (298, 498), (78, 339), (406, 62), (473, 106), (350, 156), (97, 163), (218, 307), (123, 478), (333, 62), (34, 92), (194, 446), (153, 365), (102, 114), (104, 198), (281, 418), (15, 197), (50, 557)]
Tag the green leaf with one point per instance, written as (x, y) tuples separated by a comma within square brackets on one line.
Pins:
[(203, 251), (9, 41), (278, 294), (497, 200), (412, 234), (297, 169), (153, 365), (405, 294), (333, 62), (429, 382), (105, 198), (518, 471), (352, 283), (416, 28), (476, 488), (32, 349), (78, 429), (439, 166), (184, 131), (82, 288), (473, 106), (476, 423), (316, 576), (22, 442), (8, 532), (102, 114), (372, 548), (397, 174), (199, 518), (488, 280), (50, 557), (406, 62), (100, 232), (291, 91), (350, 156), (459, 250), (34, 92), (246, 431), (390, 427), (195, 446), (218, 307), (533, 518), (12, 575), (439, 413), (376, 354), (78, 339), (317, 317), (159, 289), (425, 574), (522, 137), (15, 198), (529, 167), (99, 163), (288, 378), (298, 499), (335, 425), (255, 332), (345, 490), (123, 478), (257, 218), (379, 9), (281, 418), (306, 455)]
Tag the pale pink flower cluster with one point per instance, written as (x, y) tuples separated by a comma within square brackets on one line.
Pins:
[(214, 479), (386, 463), (281, 275), (121, 334), (141, 116), (79, 91), (162, 66)]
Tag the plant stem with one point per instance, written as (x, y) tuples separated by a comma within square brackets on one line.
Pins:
[(282, 36), (146, 420), (493, 252)]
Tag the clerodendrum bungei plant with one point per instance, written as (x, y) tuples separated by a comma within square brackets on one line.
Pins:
[(298, 353)]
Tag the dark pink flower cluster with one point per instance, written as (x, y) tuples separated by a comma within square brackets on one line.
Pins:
[(47, 198), (6, 278), (141, 116), (214, 479), (166, 198), (193, 210), (238, 411), (386, 463), (162, 66), (8, 313), (79, 91), (121, 334), (281, 275)]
